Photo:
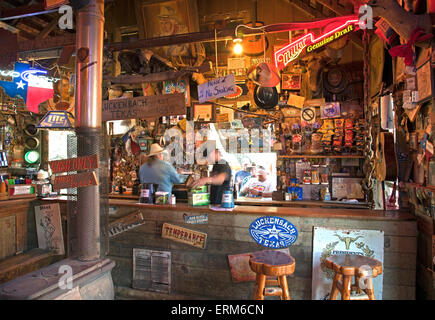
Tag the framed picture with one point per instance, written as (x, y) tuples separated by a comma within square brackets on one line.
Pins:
[(291, 81), (167, 18), (424, 81), (180, 86), (203, 112)]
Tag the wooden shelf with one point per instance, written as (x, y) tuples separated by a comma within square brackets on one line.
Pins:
[(419, 186), (314, 156)]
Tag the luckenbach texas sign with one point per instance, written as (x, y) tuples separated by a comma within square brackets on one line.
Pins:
[(291, 51), (145, 107)]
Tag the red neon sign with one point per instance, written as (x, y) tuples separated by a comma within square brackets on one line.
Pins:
[(291, 51)]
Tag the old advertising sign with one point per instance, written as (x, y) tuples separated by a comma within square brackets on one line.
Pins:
[(332, 241), (217, 88), (74, 164), (145, 107), (183, 235), (49, 227), (201, 219), (126, 223), (55, 120), (78, 180), (273, 232)]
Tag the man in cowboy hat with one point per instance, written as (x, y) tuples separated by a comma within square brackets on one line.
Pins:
[(157, 171)]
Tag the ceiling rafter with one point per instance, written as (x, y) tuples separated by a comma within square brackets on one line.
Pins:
[(317, 13)]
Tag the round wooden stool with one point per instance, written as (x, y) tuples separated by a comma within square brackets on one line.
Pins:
[(273, 264), (363, 269)]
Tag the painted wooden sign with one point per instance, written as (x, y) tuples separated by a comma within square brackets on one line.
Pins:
[(145, 107), (128, 222), (217, 88), (78, 180), (183, 235), (49, 227), (74, 164), (332, 241), (222, 117)]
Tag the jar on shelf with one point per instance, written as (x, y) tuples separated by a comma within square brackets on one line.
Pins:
[(315, 174), (324, 174)]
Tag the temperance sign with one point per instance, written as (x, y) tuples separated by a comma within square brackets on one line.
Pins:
[(331, 241)]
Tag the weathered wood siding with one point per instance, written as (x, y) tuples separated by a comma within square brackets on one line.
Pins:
[(205, 273)]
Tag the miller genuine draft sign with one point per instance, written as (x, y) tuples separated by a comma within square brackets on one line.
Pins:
[(290, 52), (145, 107)]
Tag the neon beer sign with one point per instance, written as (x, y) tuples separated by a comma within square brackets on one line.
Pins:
[(290, 52)]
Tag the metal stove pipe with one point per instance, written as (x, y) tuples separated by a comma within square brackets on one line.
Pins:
[(89, 60)]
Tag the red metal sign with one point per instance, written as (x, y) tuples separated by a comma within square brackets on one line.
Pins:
[(74, 164), (78, 180)]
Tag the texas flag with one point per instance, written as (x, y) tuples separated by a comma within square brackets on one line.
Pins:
[(28, 83)]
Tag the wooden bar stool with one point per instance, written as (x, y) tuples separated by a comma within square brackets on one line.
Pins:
[(269, 263), (363, 269)]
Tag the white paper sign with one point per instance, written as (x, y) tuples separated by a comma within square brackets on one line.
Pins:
[(49, 227), (333, 241), (217, 88)]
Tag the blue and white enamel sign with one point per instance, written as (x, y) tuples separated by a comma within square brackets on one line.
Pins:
[(273, 232)]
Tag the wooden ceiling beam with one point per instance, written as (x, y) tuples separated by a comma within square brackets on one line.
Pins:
[(22, 10), (48, 28), (335, 7), (318, 14)]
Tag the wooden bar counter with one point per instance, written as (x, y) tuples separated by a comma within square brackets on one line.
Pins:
[(205, 273)]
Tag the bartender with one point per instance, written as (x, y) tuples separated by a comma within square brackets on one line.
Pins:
[(219, 179), (157, 171)]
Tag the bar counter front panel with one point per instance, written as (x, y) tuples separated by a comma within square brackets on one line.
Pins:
[(205, 273)]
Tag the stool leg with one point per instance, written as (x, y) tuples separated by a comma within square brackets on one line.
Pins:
[(284, 287), (259, 287), (347, 281), (369, 291), (334, 290)]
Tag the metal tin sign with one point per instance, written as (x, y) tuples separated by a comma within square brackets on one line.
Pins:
[(201, 219), (273, 232)]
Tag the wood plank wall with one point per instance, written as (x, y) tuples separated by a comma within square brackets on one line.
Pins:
[(205, 274)]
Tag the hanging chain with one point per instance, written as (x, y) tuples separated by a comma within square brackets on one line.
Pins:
[(369, 161)]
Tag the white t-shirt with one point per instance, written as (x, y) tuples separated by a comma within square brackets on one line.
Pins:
[(263, 186)]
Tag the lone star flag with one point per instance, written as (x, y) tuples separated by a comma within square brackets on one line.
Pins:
[(28, 83)]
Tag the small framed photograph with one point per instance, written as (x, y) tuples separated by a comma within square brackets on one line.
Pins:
[(424, 82), (291, 81), (203, 112), (181, 86)]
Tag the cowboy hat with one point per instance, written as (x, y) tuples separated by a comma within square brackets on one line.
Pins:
[(264, 74), (265, 97), (155, 149)]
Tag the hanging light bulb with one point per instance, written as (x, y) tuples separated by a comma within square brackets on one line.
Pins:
[(238, 48)]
